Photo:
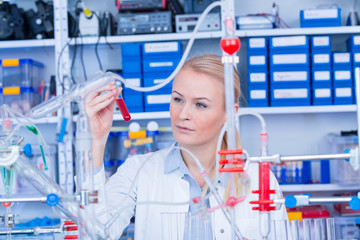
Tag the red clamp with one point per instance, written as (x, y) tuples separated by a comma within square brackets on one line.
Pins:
[(264, 189), (235, 161), (70, 226)]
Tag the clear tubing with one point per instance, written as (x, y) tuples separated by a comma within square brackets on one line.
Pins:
[(295, 228), (184, 57), (330, 229)]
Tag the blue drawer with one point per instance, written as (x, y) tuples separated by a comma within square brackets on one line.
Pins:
[(322, 96), (294, 61), (343, 78), (131, 65), (151, 79), (258, 62), (320, 61), (257, 45), (290, 79), (130, 50), (356, 59), (290, 97), (353, 43), (320, 44), (343, 95), (294, 44), (167, 63), (341, 61), (258, 97), (258, 79), (322, 78), (161, 49), (158, 100), (329, 17)]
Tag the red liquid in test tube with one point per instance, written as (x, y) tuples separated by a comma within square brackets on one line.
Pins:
[(123, 109)]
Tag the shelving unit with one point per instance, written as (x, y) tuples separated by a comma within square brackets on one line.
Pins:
[(318, 188), (31, 43)]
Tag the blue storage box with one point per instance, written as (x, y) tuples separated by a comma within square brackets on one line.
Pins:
[(257, 46), (133, 99), (155, 78), (295, 61), (341, 61), (258, 79), (321, 44), (343, 78), (321, 61), (343, 95), (356, 59), (322, 78), (330, 17), (322, 96), (158, 100), (131, 57), (294, 44), (353, 43), (290, 79), (258, 62), (161, 49), (290, 97), (258, 97)]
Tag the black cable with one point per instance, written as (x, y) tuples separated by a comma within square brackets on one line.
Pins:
[(58, 64), (101, 31), (73, 61), (82, 57)]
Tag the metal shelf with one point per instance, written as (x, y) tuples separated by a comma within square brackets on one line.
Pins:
[(318, 187), (307, 109), (146, 38), (27, 43), (264, 110), (299, 31)]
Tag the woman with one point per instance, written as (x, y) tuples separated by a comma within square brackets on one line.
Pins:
[(197, 111)]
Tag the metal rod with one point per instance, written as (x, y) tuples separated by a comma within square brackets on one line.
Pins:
[(339, 156), (330, 200), (35, 231), (39, 199)]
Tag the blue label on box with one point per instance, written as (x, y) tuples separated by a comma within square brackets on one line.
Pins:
[(343, 95), (290, 97), (259, 79), (289, 61), (161, 49), (131, 65), (322, 96), (320, 44), (257, 45), (158, 100), (258, 62), (289, 79), (294, 44)]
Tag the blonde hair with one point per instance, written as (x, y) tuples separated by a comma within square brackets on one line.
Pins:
[(211, 65)]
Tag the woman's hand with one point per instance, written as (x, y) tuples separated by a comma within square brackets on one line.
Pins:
[(100, 109)]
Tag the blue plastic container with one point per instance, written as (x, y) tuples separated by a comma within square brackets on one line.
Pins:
[(343, 78), (289, 79), (131, 57), (353, 43), (158, 100), (134, 100), (320, 44), (258, 79), (341, 61), (321, 61), (322, 96), (343, 95), (258, 97), (288, 62), (329, 17), (257, 45), (322, 78), (257, 62), (290, 97), (287, 45)]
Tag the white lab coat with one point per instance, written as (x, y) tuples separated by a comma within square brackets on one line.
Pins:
[(152, 184)]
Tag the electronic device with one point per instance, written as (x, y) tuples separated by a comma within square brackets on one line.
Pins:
[(89, 26), (197, 6), (255, 22), (140, 23), (41, 23), (12, 21), (187, 22), (139, 5)]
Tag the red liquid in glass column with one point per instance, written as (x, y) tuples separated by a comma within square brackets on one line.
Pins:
[(123, 109), (230, 45)]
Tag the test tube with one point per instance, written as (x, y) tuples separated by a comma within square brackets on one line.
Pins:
[(330, 229), (280, 229), (122, 107), (295, 226), (319, 229), (306, 229)]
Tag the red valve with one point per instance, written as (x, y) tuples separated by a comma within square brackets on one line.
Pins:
[(71, 237), (6, 204)]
